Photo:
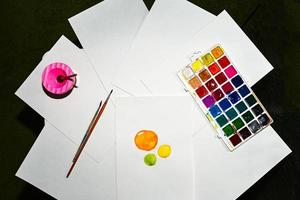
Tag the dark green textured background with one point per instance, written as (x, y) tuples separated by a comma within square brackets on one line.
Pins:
[(29, 29)]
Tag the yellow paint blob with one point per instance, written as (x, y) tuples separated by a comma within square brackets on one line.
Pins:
[(164, 151), (207, 59), (146, 140), (197, 65)]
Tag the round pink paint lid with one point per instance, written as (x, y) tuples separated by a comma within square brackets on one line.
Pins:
[(50, 78)]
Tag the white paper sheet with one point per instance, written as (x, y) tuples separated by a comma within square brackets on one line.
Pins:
[(169, 24), (170, 178), (106, 32), (49, 159), (226, 175), (72, 114)]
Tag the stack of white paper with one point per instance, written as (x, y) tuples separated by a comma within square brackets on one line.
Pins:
[(138, 55)]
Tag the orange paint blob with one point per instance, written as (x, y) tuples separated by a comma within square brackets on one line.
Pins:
[(146, 140)]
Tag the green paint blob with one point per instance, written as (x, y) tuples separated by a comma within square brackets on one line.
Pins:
[(231, 114), (238, 123), (250, 100), (150, 159), (222, 120), (228, 130), (248, 116), (241, 107)]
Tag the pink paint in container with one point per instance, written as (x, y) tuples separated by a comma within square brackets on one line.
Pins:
[(230, 72), (58, 80)]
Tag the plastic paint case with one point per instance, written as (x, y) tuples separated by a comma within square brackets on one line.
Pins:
[(225, 98)]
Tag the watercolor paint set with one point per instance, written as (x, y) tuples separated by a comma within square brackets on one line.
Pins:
[(223, 95)]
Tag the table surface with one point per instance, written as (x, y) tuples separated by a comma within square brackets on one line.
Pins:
[(29, 29)]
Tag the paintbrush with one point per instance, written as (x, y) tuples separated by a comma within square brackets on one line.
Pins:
[(63, 78), (89, 132)]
